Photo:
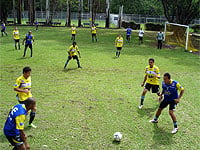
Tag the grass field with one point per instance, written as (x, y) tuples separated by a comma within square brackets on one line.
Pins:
[(80, 109)]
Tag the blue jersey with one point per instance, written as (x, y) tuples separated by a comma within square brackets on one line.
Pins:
[(3, 26), (171, 90), (15, 120), (29, 39), (128, 31)]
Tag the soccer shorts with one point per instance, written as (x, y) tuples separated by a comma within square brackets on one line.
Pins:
[(73, 34), (3, 30), (93, 34), (153, 88), (172, 104), (74, 57), (119, 48), (28, 45), (140, 38), (15, 140), (128, 36), (16, 40)]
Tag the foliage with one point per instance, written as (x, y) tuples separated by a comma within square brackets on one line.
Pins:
[(154, 26)]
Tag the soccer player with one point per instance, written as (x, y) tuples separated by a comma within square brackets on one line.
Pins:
[(170, 91), (16, 38), (23, 89), (14, 125), (128, 34), (118, 44), (141, 35), (152, 74), (160, 38), (73, 31), (94, 33), (3, 29), (29, 40), (72, 54)]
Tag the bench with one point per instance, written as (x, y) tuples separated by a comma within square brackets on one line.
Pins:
[(10, 22), (56, 23), (88, 24)]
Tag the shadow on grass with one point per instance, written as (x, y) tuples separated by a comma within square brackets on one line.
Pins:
[(69, 69), (3, 138), (22, 58), (116, 142), (161, 137), (147, 111)]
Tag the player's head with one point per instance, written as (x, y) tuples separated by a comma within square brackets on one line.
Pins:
[(74, 43), (167, 78), (15, 28), (30, 103), (73, 25), (151, 62), (26, 72), (119, 35), (29, 32)]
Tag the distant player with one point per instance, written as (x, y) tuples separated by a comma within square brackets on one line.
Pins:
[(152, 75), (23, 89), (94, 33), (160, 38), (16, 38), (29, 40), (128, 34), (14, 125), (3, 29), (119, 44), (170, 91), (72, 54), (140, 35), (73, 31)]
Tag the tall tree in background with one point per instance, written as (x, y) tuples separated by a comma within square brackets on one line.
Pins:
[(80, 12), (19, 11), (31, 11), (14, 11), (68, 17), (181, 11), (107, 25), (47, 12)]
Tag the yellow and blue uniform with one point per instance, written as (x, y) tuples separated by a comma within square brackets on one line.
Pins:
[(15, 120), (72, 50), (151, 75), (23, 83), (170, 91), (73, 30), (16, 35), (119, 42)]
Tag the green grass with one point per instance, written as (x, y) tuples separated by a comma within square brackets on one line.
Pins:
[(82, 108)]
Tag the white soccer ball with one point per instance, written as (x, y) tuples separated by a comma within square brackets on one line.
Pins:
[(190, 51), (117, 136)]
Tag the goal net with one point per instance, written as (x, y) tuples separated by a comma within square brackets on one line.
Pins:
[(177, 34)]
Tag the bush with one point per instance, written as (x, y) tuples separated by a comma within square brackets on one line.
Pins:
[(196, 28), (154, 26), (132, 25)]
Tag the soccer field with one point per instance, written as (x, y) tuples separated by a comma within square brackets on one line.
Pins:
[(80, 109)]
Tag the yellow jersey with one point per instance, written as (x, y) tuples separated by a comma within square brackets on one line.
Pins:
[(72, 50), (73, 30), (16, 34), (94, 30), (119, 42), (150, 73), (23, 83)]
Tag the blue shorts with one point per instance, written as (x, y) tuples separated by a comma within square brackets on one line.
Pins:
[(172, 104), (15, 140)]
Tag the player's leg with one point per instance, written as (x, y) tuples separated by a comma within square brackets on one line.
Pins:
[(31, 49), (160, 44), (2, 32), (32, 117), (171, 113), (156, 89), (17, 142), (119, 51), (141, 40), (69, 58), (78, 62), (25, 48), (96, 37), (146, 88), (15, 44), (19, 44)]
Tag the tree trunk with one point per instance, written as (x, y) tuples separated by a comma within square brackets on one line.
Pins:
[(19, 12), (31, 8), (47, 12), (68, 18), (80, 12), (120, 16), (14, 12), (107, 14)]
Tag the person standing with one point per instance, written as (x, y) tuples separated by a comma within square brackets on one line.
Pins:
[(160, 38), (119, 44), (72, 54), (94, 33), (73, 31), (23, 90), (14, 125), (170, 91), (16, 38), (29, 40), (150, 82), (3, 29), (36, 25), (140, 35), (128, 34)]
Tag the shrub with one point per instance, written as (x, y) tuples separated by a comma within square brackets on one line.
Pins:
[(154, 26)]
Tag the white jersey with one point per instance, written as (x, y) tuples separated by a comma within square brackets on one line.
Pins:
[(140, 33)]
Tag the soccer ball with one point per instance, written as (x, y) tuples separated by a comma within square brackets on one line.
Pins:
[(117, 136), (190, 51)]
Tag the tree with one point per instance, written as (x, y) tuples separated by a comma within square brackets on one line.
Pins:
[(47, 12), (107, 14), (181, 11), (31, 11), (80, 12), (68, 18), (19, 11)]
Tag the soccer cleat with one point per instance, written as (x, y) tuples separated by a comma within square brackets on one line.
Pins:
[(79, 67), (153, 121), (140, 107), (175, 130), (32, 125)]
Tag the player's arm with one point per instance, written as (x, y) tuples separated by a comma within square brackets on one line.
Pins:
[(17, 89), (181, 89), (33, 39), (145, 78)]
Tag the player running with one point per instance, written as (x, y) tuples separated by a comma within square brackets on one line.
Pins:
[(94, 33), (160, 38), (23, 89), (29, 40), (3, 29), (73, 31), (14, 125), (16, 38), (119, 44), (72, 54), (170, 91), (140, 35), (152, 74), (128, 34)]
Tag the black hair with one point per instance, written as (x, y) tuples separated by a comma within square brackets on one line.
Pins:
[(167, 75), (26, 69), (74, 43), (30, 101), (151, 59)]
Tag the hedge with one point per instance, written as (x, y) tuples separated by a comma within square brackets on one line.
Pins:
[(132, 25), (154, 26)]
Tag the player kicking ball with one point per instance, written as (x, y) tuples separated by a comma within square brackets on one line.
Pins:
[(72, 54), (171, 98)]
